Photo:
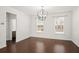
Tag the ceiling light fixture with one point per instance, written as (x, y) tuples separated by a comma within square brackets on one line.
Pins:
[(42, 14)]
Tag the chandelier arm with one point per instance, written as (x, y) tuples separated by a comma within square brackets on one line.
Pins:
[(42, 13)]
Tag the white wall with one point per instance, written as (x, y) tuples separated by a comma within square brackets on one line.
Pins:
[(49, 27), (75, 26), (22, 25)]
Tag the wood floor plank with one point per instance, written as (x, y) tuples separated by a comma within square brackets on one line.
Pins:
[(40, 45)]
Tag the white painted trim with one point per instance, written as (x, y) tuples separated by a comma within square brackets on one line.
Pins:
[(52, 38), (75, 43), (3, 46), (22, 39)]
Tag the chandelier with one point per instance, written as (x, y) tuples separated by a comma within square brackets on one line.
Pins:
[(42, 14)]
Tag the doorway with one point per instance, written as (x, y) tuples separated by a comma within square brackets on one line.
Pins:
[(10, 27)]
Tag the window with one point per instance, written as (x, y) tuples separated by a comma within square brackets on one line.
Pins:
[(40, 28), (59, 25), (39, 25)]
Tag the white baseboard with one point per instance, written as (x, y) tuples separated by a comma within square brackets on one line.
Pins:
[(75, 43), (2, 46), (22, 39), (52, 38)]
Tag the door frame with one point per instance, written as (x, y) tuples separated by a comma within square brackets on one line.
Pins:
[(6, 25)]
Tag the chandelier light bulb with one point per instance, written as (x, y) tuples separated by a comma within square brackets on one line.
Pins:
[(42, 14)]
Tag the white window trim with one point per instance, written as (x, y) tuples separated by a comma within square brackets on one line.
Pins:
[(54, 26), (39, 23), (59, 32)]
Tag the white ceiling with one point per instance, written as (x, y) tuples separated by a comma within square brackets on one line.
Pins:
[(32, 10)]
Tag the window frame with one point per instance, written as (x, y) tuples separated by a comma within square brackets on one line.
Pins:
[(39, 22), (55, 25)]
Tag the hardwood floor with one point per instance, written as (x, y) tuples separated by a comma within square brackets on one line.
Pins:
[(40, 45)]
